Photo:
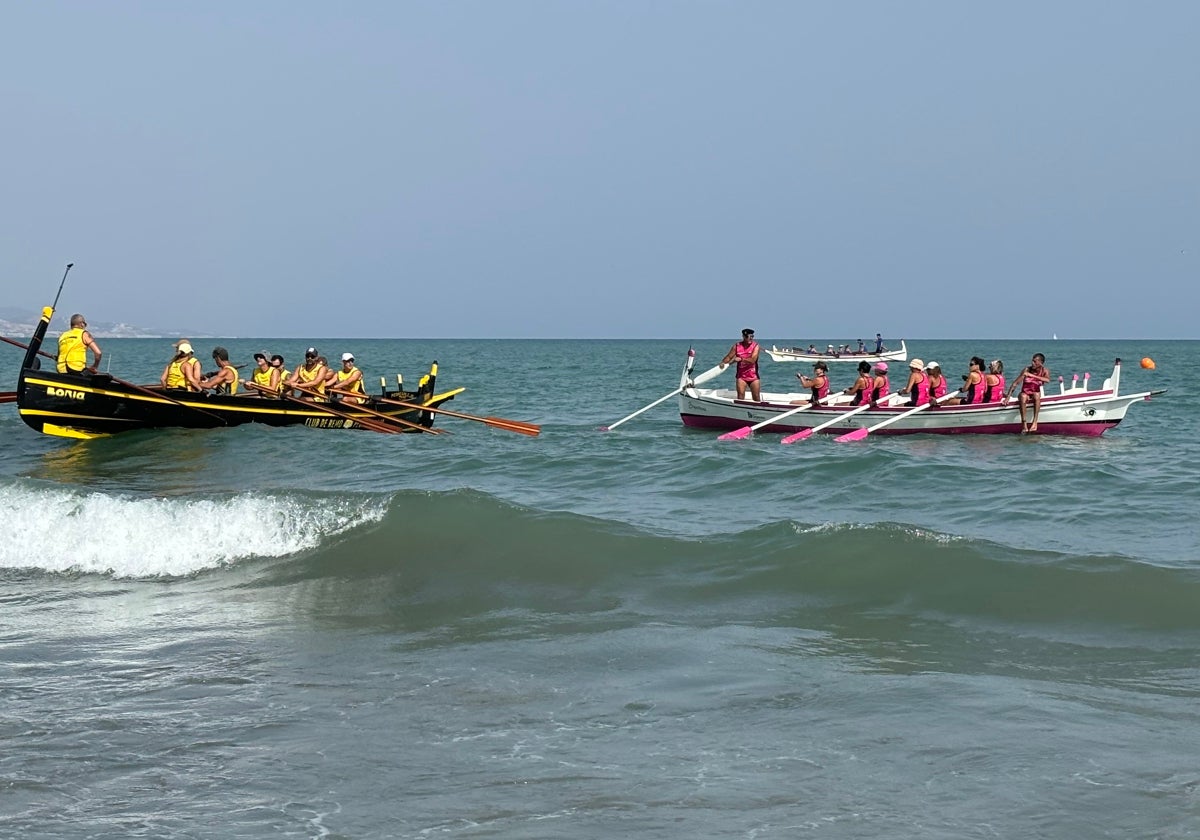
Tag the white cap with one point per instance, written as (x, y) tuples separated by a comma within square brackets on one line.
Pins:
[(347, 357), (184, 347), (932, 365)]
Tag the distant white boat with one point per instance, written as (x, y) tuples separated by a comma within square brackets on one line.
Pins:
[(1054, 336)]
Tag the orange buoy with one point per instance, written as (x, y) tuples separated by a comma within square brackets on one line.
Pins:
[(1148, 363)]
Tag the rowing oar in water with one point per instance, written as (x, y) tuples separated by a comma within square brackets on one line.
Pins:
[(387, 418), (804, 433), (687, 383), (517, 426), (8, 396), (372, 425), (746, 431), (859, 434)]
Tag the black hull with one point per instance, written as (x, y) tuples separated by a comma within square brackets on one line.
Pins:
[(90, 405)]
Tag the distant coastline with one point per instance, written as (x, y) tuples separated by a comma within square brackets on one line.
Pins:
[(16, 323)]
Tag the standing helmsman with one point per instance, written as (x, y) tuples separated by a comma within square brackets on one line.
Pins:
[(73, 346)]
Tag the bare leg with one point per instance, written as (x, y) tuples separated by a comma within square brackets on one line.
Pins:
[(741, 389), (1021, 401), (1037, 407), (756, 390)]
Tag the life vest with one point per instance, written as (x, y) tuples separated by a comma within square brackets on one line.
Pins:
[(72, 352)]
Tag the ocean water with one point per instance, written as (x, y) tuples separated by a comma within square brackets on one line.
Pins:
[(263, 632)]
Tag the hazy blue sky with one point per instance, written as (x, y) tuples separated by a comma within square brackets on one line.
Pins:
[(606, 169)]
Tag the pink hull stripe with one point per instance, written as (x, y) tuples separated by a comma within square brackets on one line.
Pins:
[(1089, 428)]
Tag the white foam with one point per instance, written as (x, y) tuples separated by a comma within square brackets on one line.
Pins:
[(62, 530)]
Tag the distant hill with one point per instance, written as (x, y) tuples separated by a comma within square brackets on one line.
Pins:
[(18, 323)]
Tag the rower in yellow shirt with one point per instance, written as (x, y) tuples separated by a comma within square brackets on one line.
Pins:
[(73, 346), (349, 378)]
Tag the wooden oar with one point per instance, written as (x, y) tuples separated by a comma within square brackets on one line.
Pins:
[(8, 396), (25, 346), (316, 406), (746, 431), (388, 417), (859, 434), (517, 426)]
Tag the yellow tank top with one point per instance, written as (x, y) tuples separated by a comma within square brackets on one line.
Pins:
[(356, 387), (317, 373), (175, 377), (72, 352), (262, 377), (230, 387)]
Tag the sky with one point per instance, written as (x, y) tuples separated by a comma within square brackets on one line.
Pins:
[(576, 169)]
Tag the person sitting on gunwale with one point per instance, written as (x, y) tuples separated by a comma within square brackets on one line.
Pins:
[(225, 380), (311, 374), (183, 371), (861, 389), (266, 376), (879, 384), (349, 378), (818, 382), (73, 346), (918, 383)]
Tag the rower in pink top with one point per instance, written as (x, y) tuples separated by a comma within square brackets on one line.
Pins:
[(918, 383)]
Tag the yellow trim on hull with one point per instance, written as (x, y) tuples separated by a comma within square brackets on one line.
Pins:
[(68, 432)]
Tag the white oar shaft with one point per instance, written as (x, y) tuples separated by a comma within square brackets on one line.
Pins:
[(904, 414), (661, 399), (789, 413), (711, 373)]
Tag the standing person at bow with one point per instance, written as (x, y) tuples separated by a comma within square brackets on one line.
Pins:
[(183, 371), (917, 384), (818, 382), (310, 373), (861, 389), (879, 383), (73, 346), (1030, 381), (349, 378), (225, 380), (745, 353)]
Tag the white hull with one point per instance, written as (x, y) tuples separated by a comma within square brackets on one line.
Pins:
[(1074, 411), (794, 354)]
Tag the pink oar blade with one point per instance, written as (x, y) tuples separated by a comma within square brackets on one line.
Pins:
[(736, 434), (857, 434), (798, 436)]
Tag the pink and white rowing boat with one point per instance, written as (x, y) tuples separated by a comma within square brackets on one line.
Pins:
[(1075, 410)]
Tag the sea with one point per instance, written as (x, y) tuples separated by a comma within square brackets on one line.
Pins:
[(645, 632)]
